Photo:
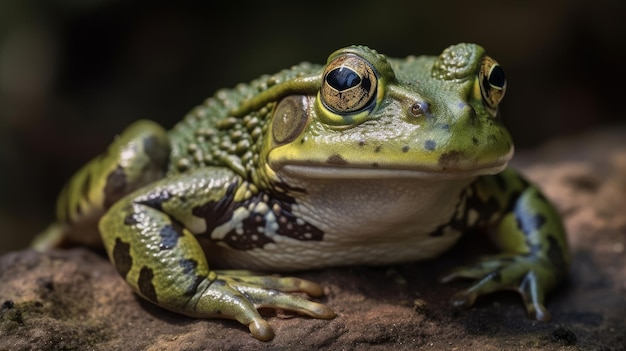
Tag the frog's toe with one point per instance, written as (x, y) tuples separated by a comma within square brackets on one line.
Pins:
[(261, 329), (479, 269), (528, 276), (285, 284), (263, 297), (533, 295), (488, 284)]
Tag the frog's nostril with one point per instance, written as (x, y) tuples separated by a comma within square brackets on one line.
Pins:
[(419, 108)]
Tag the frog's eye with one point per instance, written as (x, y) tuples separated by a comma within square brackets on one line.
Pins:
[(349, 85), (492, 82)]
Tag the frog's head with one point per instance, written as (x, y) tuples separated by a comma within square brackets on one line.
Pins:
[(372, 116)]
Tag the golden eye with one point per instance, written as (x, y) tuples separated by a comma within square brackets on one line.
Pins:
[(492, 82), (349, 84)]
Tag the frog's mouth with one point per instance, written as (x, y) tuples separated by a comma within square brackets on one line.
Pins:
[(459, 170), (321, 172)]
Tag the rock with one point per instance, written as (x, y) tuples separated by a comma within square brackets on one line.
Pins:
[(74, 299)]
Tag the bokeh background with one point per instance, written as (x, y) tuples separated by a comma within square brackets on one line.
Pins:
[(73, 73)]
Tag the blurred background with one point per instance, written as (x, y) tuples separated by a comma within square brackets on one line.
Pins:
[(73, 73)]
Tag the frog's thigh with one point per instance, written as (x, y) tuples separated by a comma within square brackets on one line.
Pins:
[(164, 263), (137, 157)]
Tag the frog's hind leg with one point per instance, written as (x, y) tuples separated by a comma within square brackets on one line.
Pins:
[(137, 157), (150, 236)]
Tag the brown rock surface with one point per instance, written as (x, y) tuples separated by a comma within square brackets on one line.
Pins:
[(74, 299)]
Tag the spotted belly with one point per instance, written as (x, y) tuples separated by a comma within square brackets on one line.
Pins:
[(269, 233)]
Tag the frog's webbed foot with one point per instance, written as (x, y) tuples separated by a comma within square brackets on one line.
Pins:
[(532, 277), (239, 294)]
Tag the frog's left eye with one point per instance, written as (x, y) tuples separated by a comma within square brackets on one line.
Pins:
[(492, 82), (349, 85)]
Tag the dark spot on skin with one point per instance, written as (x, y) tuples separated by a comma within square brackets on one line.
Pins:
[(378, 148), (146, 287), (461, 221), (193, 289), (131, 219), (375, 165), (169, 236), (336, 160), (405, 148), (450, 158), (474, 140), (121, 257), (216, 213), (249, 237), (155, 199), (430, 145), (115, 187), (361, 143), (527, 222), (292, 229), (188, 265)]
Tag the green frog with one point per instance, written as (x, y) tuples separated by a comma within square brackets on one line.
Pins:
[(366, 160)]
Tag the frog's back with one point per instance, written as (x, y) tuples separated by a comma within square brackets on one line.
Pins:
[(212, 134)]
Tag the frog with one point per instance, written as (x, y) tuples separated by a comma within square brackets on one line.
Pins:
[(365, 160)]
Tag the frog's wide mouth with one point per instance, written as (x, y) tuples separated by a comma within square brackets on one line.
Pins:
[(323, 171)]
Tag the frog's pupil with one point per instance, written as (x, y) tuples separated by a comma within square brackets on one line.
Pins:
[(343, 78), (496, 77)]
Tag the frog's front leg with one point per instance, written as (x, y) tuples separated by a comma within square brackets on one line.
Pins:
[(530, 235), (150, 237)]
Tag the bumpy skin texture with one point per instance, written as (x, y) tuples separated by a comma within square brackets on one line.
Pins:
[(365, 160)]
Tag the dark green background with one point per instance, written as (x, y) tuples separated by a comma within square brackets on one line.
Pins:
[(75, 72)]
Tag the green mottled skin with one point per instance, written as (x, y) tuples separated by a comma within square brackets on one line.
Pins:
[(365, 160)]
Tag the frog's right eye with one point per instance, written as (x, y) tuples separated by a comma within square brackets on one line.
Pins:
[(492, 82), (349, 85)]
